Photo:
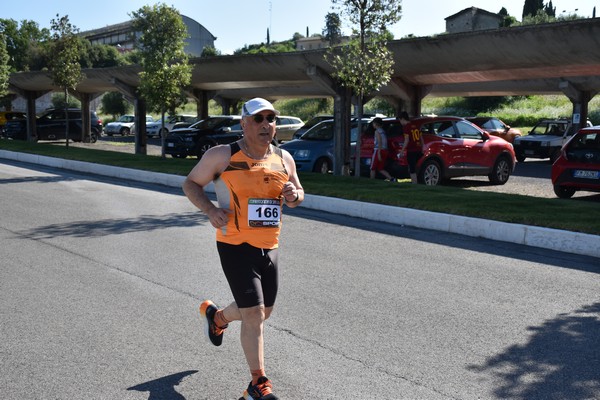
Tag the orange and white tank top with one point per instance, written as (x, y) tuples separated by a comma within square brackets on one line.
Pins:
[(251, 189)]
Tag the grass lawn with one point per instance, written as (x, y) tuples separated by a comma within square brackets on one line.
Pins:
[(572, 215)]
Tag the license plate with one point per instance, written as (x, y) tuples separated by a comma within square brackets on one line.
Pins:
[(586, 174), (170, 144)]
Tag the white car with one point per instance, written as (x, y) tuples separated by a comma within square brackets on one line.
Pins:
[(545, 140), (154, 128), (286, 127), (123, 126)]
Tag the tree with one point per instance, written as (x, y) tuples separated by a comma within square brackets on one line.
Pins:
[(364, 64), (210, 51), (165, 65), (99, 55), (114, 103), (64, 59), (531, 7), (332, 31), (24, 43), (4, 68), (59, 101), (508, 20), (549, 9)]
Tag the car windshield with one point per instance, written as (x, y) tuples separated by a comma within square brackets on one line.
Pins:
[(211, 123), (549, 128), (321, 131), (314, 121), (324, 131), (126, 118)]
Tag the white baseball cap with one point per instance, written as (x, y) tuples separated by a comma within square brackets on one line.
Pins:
[(257, 105)]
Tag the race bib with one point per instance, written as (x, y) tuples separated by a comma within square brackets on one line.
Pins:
[(264, 213)]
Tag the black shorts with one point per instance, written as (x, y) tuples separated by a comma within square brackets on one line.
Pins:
[(251, 273), (412, 157)]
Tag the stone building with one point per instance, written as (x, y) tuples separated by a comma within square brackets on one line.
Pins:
[(472, 19)]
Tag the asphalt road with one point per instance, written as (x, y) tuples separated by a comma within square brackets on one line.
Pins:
[(100, 281)]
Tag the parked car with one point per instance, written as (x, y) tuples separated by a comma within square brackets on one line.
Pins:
[(51, 125), (545, 140), (495, 127), (124, 126), (180, 125), (313, 152), (154, 128), (454, 147), (578, 166), (8, 116), (286, 127), (201, 136), (309, 124)]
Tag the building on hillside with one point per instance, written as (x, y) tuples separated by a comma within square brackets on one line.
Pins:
[(472, 19), (312, 43), (316, 42), (123, 37)]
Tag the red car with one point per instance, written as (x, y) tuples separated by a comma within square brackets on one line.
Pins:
[(453, 147), (578, 166)]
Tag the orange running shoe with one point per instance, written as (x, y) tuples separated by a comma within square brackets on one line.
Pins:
[(214, 333), (263, 390)]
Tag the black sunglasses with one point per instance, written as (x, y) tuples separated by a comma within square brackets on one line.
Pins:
[(258, 118)]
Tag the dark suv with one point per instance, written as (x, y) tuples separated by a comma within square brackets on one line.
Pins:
[(51, 126), (201, 136)]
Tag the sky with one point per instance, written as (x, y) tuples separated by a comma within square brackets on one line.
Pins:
[(236, 23)]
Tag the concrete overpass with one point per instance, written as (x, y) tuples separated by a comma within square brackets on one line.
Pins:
[(536, 59)]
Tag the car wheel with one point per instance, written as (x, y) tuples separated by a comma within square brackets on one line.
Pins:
[(93, 137), (109, 134), (520, 158), (431, 173), (124, 131), (564, 192), (322, 166), (203, 148), (501, 171)]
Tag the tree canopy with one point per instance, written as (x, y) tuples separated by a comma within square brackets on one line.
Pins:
[(4, 68), (166, 70)]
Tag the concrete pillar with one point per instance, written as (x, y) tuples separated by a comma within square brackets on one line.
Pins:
[(580, 100), (86, 121), (342, 112), (201, 97), (140, 126), (31, 114)]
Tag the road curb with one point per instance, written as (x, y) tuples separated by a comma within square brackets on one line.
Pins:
[(546, 238)]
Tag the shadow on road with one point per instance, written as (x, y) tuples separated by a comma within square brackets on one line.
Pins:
[(144, 223), (163, 388), (561, 360)]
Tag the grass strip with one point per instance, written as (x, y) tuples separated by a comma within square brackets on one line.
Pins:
[(571, 215)]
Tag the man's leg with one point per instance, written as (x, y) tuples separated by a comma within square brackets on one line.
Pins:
[(252, 336)]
